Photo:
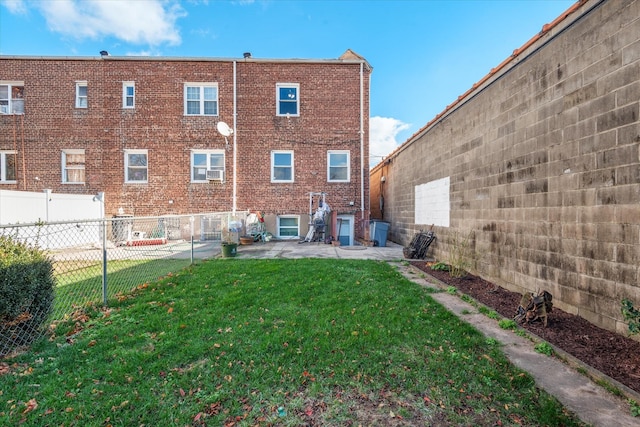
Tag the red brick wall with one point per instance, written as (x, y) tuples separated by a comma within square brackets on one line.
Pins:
[(329, 120)]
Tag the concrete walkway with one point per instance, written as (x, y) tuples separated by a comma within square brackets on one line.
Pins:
[(592, 403), (294, 249)]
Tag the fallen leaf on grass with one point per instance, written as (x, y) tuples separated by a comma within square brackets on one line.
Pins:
[(170, 310), (31, 405)]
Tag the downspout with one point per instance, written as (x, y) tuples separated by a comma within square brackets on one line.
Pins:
[(235, 136), (362, 141)]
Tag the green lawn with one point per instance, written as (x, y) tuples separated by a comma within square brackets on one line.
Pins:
[(272, 342), (80, 282)]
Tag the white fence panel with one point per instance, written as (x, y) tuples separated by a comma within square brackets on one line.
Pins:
[(30, 207)]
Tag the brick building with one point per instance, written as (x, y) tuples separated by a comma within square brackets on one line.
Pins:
[(145, 131)]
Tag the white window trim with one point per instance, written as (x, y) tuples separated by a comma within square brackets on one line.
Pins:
[(10, 104), (279, 217), (348, 153), (3, 167), (79, 84), (64, 166), (201, 85), (126, 85), (126, 166), (207, 153), (285, 85), (273, 175)]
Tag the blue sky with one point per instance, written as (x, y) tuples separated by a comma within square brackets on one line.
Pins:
[(424, 53)]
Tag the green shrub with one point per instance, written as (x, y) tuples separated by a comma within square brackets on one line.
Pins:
[(440, 266), (26, 292), (632, 315)]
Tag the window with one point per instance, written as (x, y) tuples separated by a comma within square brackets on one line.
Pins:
[(288, 227), (203, 161), (81, 94), (338, 166), (11, 98), (282, 166), (7, 166), (287, 95), (135, 166), (73, 166), (201, 99), (128, 95)]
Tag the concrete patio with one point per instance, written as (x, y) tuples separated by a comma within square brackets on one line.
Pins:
[(295, 249)]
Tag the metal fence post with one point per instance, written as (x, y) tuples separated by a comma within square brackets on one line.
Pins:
[(191, 221), (104, 261)]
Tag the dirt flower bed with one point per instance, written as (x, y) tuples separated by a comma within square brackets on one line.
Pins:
[(612, 354)]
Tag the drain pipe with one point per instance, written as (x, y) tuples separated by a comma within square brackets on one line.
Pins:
[(361, 141), (235, 139)]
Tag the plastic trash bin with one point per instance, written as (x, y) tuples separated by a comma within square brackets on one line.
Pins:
[(378, 231), (229, 249)]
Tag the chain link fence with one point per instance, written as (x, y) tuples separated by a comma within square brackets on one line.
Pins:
[(95, 261)]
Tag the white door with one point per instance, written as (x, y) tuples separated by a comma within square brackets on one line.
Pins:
[(345, 229)]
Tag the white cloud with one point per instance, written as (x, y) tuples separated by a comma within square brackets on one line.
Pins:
[(382, 137), (17, 7), (151, 22)]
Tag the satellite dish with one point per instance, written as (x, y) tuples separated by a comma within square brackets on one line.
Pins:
[(224, 129)]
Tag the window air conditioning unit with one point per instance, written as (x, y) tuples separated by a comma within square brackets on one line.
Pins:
[(215, 175)]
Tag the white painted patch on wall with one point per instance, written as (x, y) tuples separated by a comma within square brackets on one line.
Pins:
[(432, 203)]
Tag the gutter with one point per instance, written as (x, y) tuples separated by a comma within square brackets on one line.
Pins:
[(235, 140), (362, 140)]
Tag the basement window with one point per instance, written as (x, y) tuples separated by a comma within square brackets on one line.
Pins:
[(7, 167), (288, 227), (11, 98)]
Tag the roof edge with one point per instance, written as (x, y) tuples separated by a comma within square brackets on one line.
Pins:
[(546, 28)]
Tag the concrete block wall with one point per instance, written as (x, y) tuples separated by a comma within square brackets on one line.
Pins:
[(544, 165)]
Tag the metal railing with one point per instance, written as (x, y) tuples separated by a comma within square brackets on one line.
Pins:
[(95, 261)]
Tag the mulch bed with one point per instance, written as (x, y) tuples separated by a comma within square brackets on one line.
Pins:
[(610, 353)]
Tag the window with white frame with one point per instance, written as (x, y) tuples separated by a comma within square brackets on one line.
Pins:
[(136, 168), (200, 99), (73, 166), (288, 226), (282, 166), (7, 166), (338, 166), (287, 99), (81, 94), (128, 95), (11, 97), (206, 165)]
